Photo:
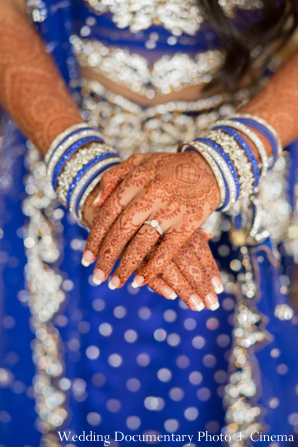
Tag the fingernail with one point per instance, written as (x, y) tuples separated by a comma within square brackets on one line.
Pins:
[(212, 302), (97, 199), (114, 283), (168, 292), (96, 281), (207, 234), (87, 258), (196, 302), (217, 285), (137, 282)]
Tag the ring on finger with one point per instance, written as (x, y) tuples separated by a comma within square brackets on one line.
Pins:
[(154, 224)]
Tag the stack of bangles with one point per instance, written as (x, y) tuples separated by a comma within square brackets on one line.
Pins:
[(76, 160), (233, 163)]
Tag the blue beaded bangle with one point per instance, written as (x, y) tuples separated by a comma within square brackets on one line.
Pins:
[(99, 171), (263, 129), (227, 196), (82, 172), (72, 134), (247, 150), (68, 154), (219, 150)]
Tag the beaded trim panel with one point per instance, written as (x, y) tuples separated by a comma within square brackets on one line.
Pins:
[(168, 74), (180, 16)]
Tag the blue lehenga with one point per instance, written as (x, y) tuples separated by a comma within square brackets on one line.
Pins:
[(126, 366)]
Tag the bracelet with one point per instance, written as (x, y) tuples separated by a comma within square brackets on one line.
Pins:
[(242, 143), (70, 132), (265, 128), (253, 138), (86, 184), (80, 161), (239, 159)]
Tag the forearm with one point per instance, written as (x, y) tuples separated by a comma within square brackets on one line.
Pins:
[(277, 102), (31, 89)]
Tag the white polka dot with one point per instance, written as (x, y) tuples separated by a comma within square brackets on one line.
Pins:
[(133, 422), (221, 391), (64, 384), (212, 427), (195, 378), (182, 305), (113, 405), (6, 377), (132, 291), (282, 369), (293, 419), (191, 413), (74, 344), (160, 335), (93, 418), (212, 324), (220, 376), (78, 387), (209, 361), (274, 402), (203, 394), (223, 340), (130, 336), (105, 329), (182, 361), (115, 360), (228, 303), (119, 312), (84, 327), (198, 342), (154, 403), (170, 315), (164, 375), (99, 379), (98, 304), (5, 417), (275, 353), (17, 387), (172, 40), (68, 285), (144, 313), (224, 250), (173, 339), (296, 389), (190, 324), (176, 394), (143, 359), (92, 352), (133, 385), (8, 322), (171, 425)]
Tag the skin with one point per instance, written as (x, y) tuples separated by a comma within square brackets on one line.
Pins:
[(42, 109)]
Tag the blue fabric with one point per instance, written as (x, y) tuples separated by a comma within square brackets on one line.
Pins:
[(148, 346)]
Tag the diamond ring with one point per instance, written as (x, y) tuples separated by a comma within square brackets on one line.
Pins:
[(154, 224)]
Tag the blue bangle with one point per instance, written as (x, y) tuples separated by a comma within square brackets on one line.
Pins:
[(263, 129), (82, 172), (221, 152), (68, 154), (227, 196), (247, 150), (99, 171), (83, 129)]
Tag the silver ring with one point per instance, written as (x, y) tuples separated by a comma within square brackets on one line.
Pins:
[(154, 224)]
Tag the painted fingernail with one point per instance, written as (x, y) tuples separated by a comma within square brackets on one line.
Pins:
[(114, 283), (168, 292), (137, 282), (207, 234), (98, 276), (196, 302), (87, 258), (217, 285), (97, 199), (212, 302)]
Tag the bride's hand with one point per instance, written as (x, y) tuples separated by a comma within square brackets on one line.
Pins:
[(177, 189)]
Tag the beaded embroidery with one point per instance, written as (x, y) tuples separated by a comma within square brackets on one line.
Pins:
[(181, 16)]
